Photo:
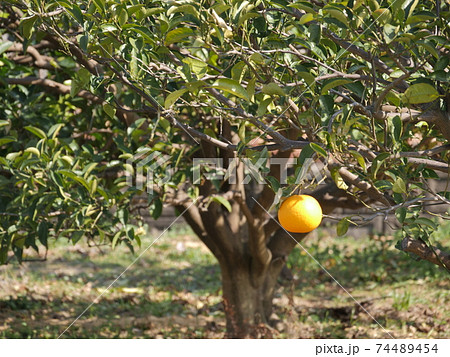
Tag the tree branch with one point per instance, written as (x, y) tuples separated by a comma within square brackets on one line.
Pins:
[(40, 61), (387, 89), (430, 152), (353, 179), (383, 67), (433, 255), (91, 65), (284, 142), (431, 164), (53, 86)]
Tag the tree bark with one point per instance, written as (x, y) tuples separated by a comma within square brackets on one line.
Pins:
[(247, 305)]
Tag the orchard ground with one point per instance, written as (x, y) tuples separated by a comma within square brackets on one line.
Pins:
[(174, 291)]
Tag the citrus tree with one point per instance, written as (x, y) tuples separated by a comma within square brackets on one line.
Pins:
[(228, 106)]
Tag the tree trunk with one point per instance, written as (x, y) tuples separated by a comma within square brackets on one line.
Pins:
[(247, 300), (251, 251)]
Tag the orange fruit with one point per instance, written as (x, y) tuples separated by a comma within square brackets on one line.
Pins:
[(300, 214)]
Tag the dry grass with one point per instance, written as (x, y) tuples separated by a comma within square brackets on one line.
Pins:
[(174, 292)]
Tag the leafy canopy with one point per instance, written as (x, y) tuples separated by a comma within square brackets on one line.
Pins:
[(87, 85)]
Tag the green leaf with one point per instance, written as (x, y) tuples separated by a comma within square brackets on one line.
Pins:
[(93, 185), (426, 221), (43, 233), (142, 31), (342, 226), (123, 216), (441, 64), (272, 89), (74, 177), (231, 86), (441, 76), (382, 15), (400, 213), (198, 67), (108, 28), (247, 16), (274, 183), (88, 169), (156, 208), (115, 240), (262, 107), (336, 14), (7, 140), (100, 4), (420, 16), (13, 155), (257, 58), (184, 9), (383, 185), (109, 110), (397, 128), (429, 174), (315, 32), (306, 18), (241, 131), (303, 5), (318, 149), (393, 98), (399, 186), (178, 35), (358, 158), (153, 11), (420, 93), (390, 32), (222, 201), (338, 180), (173, 97), (429, 47), (377, 162), (238, 71), (33, 151), (4, 46), (408, 6), (334, 83), (308, 78), (76, 236), (54, 130), (36, 131), (306, 153), (251, 87), (27, 26), (84, 41), (77, 14), (123, 17)]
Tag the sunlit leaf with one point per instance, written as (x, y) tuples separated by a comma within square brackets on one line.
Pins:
[(272, 89), (178, 35), (173, 97), (36, 131), (231, 86), (306, 18), (420, 93), (222, 201), (399, 186), (342, 226), (333, 84)]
